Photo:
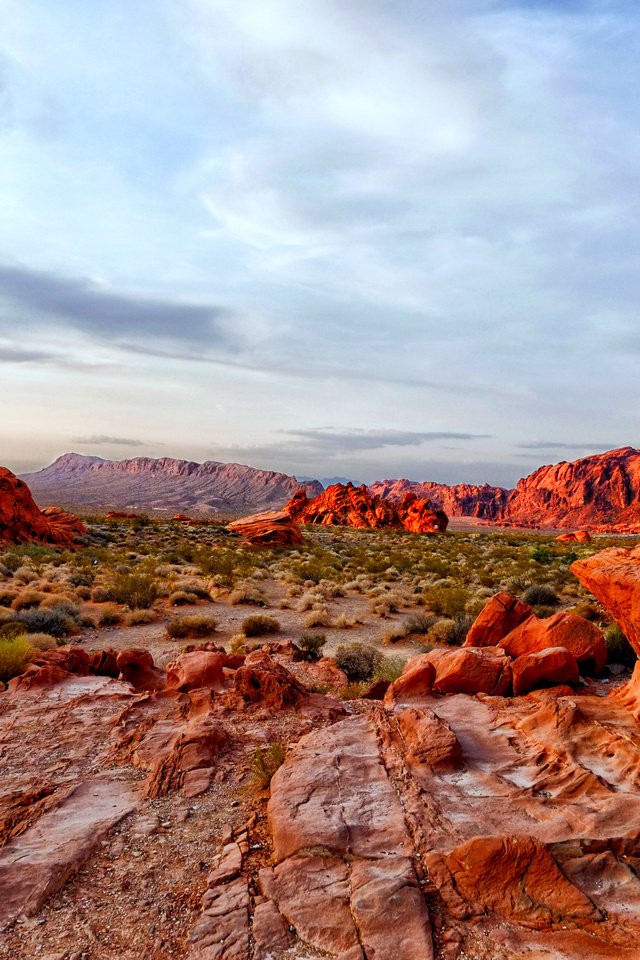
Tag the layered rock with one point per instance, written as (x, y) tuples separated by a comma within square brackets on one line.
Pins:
[(275, 528), (146, 484), (349, 506), (613, 577), (21, 521)]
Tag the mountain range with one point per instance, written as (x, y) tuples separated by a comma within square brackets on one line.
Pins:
[(601, 491)]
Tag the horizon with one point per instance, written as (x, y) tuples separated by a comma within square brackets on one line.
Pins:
[(369, 240), (324, 480)]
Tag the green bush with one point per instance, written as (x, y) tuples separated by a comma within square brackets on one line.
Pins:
[(265, 764), (191, 626), (358, 660), (134, 590), (420, 623), (619, 650), (311, 645), (15, 654), (446, 601), (54, 621), (259, 625), (541, 594)]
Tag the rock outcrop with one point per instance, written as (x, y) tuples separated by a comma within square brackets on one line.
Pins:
[(21, 520), (145, 484), (613, 577), (275, 528), (349, 506)]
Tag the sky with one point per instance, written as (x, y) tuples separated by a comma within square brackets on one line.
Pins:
[(365, 238)]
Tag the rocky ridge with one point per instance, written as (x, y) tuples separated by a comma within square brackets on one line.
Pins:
[(346, 505), (21, 521), (165, 484)]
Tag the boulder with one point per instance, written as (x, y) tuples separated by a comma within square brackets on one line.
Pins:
[(275, 528), (136, 667), (262, 680), (428, 739), (545, 668), (581, 637), (415, 683), (613, 577), (497, 618), (51, 667), (471, 670), (577, 536), (200, 668), (21, 520)]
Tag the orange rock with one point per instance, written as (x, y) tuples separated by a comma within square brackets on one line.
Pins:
[(514, 877), (613, 577), (136, 667), (264, 681), (52, 667), (497, 618), (545, 668), (581, 637), (471, 670), (267, 529), (578, 536), (200, 669), (429, 739), (415, 683), (344, 505), (21, 521)]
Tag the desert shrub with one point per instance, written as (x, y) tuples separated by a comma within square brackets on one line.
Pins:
[(246, 593), (238, 643), (25, 575), (28, 599), (180, 598), (134, 618), (109, 615), (12, 629), (461, 627), (318, 617), (11, 561), (541, 554), (358, 660), (42, 641), (54, 621), (7, 597), (100, 595), (420, 623), (354, 690), (343, 622), (192, 626), (134, 590), (390, 668), (589, 611), (196, 590), (265, 763), (15, 653), (619, 650), (541, 594), (80, 578), (395, 634), (448, 601), (311, 644), (259, 625)]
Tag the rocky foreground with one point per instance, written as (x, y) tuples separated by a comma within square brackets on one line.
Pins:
[(487, 807)]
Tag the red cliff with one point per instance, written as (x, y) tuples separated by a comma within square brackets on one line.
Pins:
[(22, 522), (348, 506)]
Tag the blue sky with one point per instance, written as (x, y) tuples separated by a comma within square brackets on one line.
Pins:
[(373, 239)]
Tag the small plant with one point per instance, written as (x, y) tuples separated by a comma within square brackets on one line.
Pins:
[(311, 644), (318, 617), (265, 763), (420, 623), (541, 554), (134, 618), (134, 590), (542, 595), (15, 653), (191, 627), (446, 601), (619, 650), (246, 593), (390, 668), (259, 625), (109, 615), (182, 598), (358, 660), (54, 622)]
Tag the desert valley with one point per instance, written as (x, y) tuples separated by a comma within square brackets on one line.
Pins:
[(335, 728)]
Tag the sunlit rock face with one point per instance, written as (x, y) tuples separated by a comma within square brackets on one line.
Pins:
[(344, 505), (21, 520)]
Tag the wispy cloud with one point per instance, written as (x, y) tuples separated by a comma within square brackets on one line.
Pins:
[(560, 445), (99, 439), (334, 442)]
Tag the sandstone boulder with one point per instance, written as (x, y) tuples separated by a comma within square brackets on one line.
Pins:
[(497, 618), (348, 506), (581, 637), (613, 577), (21, 521), (471, 670), (268, 529), (137, 668), (200, 668), (545, 668), (415, 683), (577, 536), (261, 680)]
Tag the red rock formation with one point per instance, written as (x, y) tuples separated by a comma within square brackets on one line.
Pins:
[(471, 670), (577, 536), (137, 668), (268, 529), (21, 521), (613, 577), (201, 668), (545, 668), (581, 637), (461, 500), (498, 617), (348, 506)]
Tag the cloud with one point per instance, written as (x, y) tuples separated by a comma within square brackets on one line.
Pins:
[(559, 445), (99, 311), (22, 355), (337, 442), (100, 439)]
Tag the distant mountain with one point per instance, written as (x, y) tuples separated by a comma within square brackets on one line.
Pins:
[(144, 484), (330, 481), (601, 492)]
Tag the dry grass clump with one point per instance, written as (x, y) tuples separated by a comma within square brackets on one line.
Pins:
[(343, 622), (420, 623), (619, 650), (25, 575), (259, 625), (181, 598), (135, 618), (42, 641), (109, 615), (27, 600), (265, 763), (192, 626), (541, 594), (311, 644), (318, 617), (133, 590), (246, 593)]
